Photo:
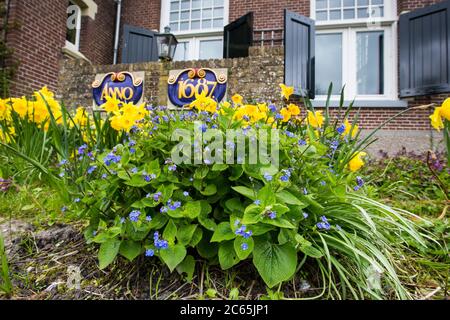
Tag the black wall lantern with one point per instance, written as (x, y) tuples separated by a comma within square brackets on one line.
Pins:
[(167, 44)]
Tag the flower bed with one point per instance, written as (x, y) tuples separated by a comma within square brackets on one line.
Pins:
[(173, 185)]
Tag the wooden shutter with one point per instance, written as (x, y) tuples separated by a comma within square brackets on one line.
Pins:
[(238, 37), (299, 56), (424, 51), (139, 45)]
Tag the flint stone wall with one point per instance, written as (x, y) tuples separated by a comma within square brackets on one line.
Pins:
[(255, 77)]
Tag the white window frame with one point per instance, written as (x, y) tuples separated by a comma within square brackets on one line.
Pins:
[(194, 45), (194, 37), (75, 46), (349, 29)]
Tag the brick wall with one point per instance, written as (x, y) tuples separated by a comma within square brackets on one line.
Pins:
[(267, 13), (97, 36), (37, 42), (408, 5)]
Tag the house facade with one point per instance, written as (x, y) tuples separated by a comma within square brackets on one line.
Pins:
[(353, 43)]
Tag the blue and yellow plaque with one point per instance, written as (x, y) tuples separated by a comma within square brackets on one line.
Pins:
[(184, 85), (126, 86)]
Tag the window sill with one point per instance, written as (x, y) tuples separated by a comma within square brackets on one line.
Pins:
[(363, 103), (74, 54)]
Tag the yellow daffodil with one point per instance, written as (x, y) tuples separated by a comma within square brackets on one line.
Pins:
[(4, 110), (436, 119), (445, 109), (204, 103), (237, 99), (20, 106), (315, 119), (226, 104), (356, 162), (80, 119), (348, 128), (112, 104), (293, 109), (286, 114), (286, 91)]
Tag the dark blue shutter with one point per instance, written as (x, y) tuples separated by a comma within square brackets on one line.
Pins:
[(425, 51), (299, 54), (139, 45), (238, 37)]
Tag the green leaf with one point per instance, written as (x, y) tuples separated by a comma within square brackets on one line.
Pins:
[(219, 167), (170, 232), (279, 222), (130, 249), (267, 196), (108, 252), (275, 263), (210, 190), (196, 237), (247, 192), (241, 253), (227, 255), (223, 232), (252, 214), (288, 198), (173, 255), (207, 249), (201, 173), (158, 221), (237, 172), (192, 209), (309, 250), (280, 209), (185, 233), (203, 219), (234, 205), (188, 267)]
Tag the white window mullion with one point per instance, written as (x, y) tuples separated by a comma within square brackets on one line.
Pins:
[(351, 70)]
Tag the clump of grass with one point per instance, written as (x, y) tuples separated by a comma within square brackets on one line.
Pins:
[(6, 286)]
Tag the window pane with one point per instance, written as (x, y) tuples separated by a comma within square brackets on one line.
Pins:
[(363, 13), (335, 3), (350, 3), (184, 15), (321, 15), (321, 4), (328, 63), (207, 3), (218, 13), (370, 64), (185, 4), (174, 26), (181, 52), (218, 23), (73, 12), (195, 14), (174, 16), (335, 15), (184, 26), (211, 49), (349, 14), (348, 9), (206, 24), (174, 5), (195, 25), (207, 13)]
